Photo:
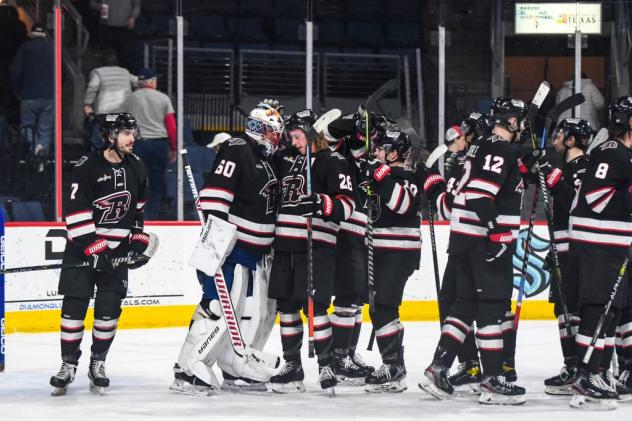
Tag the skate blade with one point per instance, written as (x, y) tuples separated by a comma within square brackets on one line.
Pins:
[(434, 391), (559, 390), (58, 391), (389, 387), (97, 390), (470, 389), (591, 404), (248, 389), (627, 397), (345, 381), (288, 388), (488, 398), (186, 388)]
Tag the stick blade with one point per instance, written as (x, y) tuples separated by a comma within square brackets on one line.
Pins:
[(437, 153), (387, 88), (325, 119)]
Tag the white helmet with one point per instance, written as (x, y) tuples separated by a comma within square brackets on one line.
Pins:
[(265, 125)]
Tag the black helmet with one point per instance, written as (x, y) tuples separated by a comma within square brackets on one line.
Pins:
[(303, 120), (115, 122), (619, 113), (477, 123), (394, 140), (504, 108), (577, 127)]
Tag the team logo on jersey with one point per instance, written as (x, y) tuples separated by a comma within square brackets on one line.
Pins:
[(104, 177), (269, 189), (611, 144), (537, 278), (81, 161), (292, 187), (113, 207)]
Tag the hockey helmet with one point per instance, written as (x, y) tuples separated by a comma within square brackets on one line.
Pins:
[(504, 108), (115, 122), (302, 120), (619, 113), (265, 125), (477, 123), (394, 140), (577, 127)]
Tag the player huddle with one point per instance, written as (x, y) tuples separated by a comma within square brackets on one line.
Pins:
[(302, 212)]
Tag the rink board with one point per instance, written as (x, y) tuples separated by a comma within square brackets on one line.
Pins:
[(164, 292)]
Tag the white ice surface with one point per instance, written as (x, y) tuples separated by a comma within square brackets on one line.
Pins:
[(139, 366)]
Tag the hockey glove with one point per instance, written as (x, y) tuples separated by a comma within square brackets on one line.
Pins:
[(319, 205), (100, 257), (138, 244), (498, 242), (433, 185), (531, 157), (372, 169)]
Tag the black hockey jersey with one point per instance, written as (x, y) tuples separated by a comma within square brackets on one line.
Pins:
[(491, 178), (242, 188), (106, 200), (396, 223), (600, 214), (442, 197), (563, 193), (330, 176)]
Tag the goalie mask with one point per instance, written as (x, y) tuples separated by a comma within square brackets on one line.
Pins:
[(265, 125)]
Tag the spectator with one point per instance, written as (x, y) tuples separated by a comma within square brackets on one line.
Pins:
[(218, 139), (108, 88), (116, 27), (157, 144), (12, 34), (589, 109), (32, 76)]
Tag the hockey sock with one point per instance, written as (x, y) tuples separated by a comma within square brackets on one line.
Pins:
[(389, 340), (291, 335), (454, 333), (609, 340), (468, 351), (625, 329), (589, 318), (489, 340), (568, 341), (107, 309), (323, 339), (509, 339), (355, 337), (342, 325), (73, 312)]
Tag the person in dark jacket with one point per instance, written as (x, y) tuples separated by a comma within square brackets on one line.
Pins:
[(32, 77)]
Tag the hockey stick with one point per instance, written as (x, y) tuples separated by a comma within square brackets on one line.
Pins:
[(552, 115), (369, 236), (435, 260), (534, 107), (128, 260), (605, 316), (436, 153), (372, 103), (228, 310), (318, 126)]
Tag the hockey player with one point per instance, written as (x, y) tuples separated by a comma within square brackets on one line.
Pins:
[(600, 232), (241, 188), (571, 139), (397, 247), (483, 227), (441, 194), (330, 203), (104, 219)]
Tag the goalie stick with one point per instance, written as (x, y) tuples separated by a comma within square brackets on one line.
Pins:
[(270, 361)]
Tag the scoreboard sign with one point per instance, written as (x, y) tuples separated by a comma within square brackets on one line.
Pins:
[(558, 18)]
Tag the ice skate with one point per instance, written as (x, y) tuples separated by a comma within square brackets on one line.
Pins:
[(189, 384), (98, 380), (359, 361), (467, 378), (591, 392), (498, 391), (347, 372), (64, 377), (390, 378), (562, 384), (242, 384), (290, 379), (435, 382), (620, 385), (327, 378)]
